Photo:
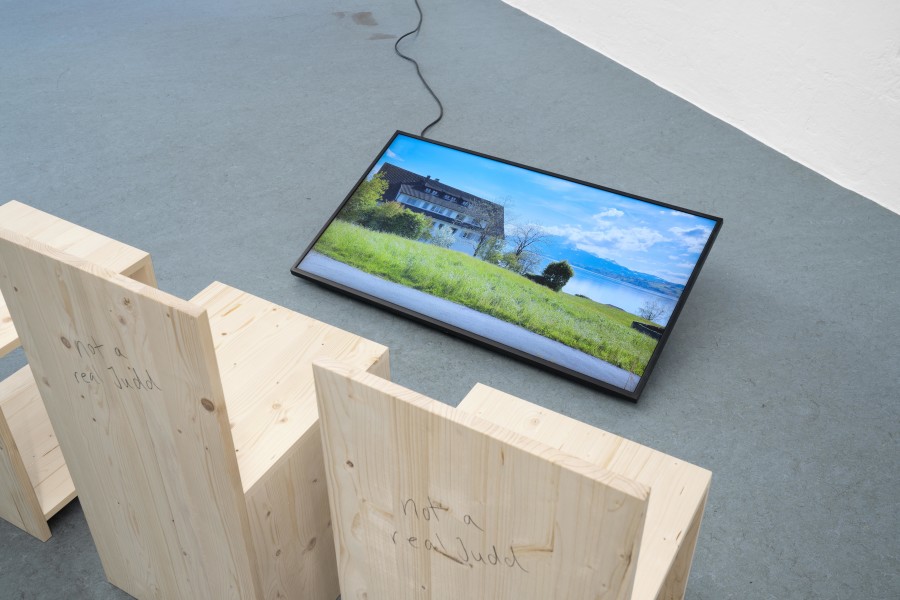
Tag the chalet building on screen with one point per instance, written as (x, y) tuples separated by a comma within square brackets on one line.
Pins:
[(466, 215)]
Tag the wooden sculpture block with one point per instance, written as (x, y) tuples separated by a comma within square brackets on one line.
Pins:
[(497, 499), (34, 481), (190, 428), (678, 489)]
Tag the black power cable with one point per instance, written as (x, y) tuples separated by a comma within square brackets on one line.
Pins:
[(418, 72)]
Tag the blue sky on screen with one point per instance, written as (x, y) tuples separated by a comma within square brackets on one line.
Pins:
[(641, 236)]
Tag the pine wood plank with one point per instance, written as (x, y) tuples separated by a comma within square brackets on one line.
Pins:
[(291, 526), (75, 240), (167, 534), (42, 459), (431, 502), (291, 522), (678, 489), (36, 441), (266, 353), (165, 524), (9, 339), (675, 585), (19, 504)]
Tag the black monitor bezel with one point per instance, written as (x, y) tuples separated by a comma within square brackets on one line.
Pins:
[(493, 344)]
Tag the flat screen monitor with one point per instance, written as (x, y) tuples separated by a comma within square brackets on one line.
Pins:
[(572, 276)]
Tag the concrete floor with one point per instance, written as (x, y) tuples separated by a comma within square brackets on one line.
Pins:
[(219, 136)]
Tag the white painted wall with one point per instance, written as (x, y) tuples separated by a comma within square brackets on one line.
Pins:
[(818, 80)]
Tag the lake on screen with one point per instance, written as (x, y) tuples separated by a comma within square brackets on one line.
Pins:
[(622, 295)]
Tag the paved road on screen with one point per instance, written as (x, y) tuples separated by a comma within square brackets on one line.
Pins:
[(468, 319)]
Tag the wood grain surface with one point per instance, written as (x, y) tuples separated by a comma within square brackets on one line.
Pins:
[(431, 502)]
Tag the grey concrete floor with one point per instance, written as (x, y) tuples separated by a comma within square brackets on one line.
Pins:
[(219, 136)]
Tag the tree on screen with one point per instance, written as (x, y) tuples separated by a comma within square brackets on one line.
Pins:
[(526, 238), (555, 276), (652, 310), (364, 199)]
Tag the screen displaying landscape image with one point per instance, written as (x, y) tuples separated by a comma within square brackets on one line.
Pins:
[(575, 276)]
